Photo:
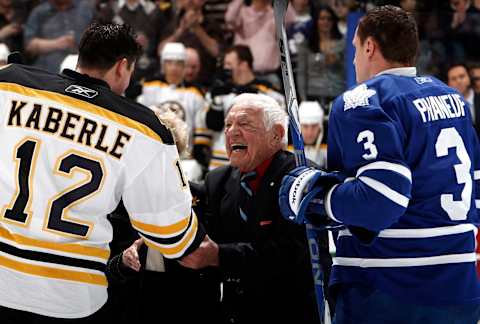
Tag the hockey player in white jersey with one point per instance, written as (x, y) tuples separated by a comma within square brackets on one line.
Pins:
[(311, 117), (171, 89), (406, 190), (72, 149)]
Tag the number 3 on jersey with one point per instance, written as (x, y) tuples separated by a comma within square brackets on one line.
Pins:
[(368, 145), (18, 211), (449, 138)]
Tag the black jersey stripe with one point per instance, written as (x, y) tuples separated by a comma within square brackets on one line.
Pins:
[(51, 258)]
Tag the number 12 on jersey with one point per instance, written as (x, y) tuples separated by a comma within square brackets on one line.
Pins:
[(56, 219)]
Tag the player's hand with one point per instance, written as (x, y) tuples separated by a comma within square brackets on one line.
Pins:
[(302, 192), (130, 256), (204, 256)]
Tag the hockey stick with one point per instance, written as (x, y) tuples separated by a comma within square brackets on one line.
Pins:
[(280, 9)]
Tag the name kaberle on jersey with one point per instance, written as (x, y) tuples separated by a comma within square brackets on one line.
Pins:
[(65, 124)]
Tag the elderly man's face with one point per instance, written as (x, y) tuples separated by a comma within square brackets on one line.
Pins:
[(247, 139)]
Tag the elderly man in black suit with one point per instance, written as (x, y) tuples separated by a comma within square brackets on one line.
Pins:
[(263, 259)]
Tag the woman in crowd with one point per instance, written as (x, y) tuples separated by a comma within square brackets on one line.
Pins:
[(320, 73)]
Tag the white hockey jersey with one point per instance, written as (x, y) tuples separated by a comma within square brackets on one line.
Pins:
[(71, 150), (188, 98)]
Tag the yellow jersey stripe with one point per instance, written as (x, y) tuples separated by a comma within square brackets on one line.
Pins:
[(220, 152), (162, 230), (172, 251), (82, 105), (63, 247), (218, 163), (202, 141), (55, 273)]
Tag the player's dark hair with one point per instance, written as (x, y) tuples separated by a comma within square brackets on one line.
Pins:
[(102, 45), (395, 32), (244, 54)]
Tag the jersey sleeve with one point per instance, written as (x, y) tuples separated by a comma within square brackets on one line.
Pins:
[(476, 179), (365, 143), (158, 201)]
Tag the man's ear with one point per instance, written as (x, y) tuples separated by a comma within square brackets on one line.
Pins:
[(121, 67), (278, 133), (370, 47)]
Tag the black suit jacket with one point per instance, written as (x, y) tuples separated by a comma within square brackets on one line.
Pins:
[(264, 263)]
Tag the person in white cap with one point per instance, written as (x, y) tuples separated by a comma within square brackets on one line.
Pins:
[(311, 117), (170, 88)]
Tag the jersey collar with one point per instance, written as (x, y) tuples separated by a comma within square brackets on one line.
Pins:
[(409, 71), (84, 77)]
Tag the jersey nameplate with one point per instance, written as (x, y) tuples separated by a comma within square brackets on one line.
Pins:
[(81, 91)]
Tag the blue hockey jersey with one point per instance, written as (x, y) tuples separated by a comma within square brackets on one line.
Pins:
[(413, 160)]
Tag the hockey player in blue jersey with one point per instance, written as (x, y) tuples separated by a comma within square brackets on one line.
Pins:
[(406, 187)]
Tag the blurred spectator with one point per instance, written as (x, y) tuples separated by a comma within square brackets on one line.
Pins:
[(170, 88), (193, 65), (189, 27), (237, 77), (311, 118), (254, 25), (474, 71), (320, 72), (53, 31), (147, 20), (12, 16), (214, 12), (342, 8), (432, 58), (302, 10), (299, 29), (459, 79), (464, 26)]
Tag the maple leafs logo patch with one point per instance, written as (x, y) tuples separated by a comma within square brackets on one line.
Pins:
[(357, 97)]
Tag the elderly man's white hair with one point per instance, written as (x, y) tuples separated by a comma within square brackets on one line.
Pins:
[(273, 114)]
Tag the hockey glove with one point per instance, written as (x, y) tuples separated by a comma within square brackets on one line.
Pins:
[(302, 193)]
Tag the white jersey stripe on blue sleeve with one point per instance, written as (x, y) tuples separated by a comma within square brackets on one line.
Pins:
[(405, 262), (476, 175), (328, 205), (421, 232), (382, 165), (477, 203), (386, 191)]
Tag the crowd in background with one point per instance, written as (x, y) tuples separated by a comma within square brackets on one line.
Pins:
[(47, 33)]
